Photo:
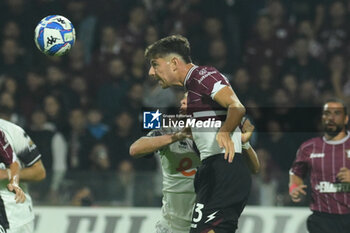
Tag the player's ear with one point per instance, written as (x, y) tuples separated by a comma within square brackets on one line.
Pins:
[(346, 119), (174, 62)]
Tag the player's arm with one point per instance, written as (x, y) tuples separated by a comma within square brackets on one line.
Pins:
[(251, 159), (296, 187), (235, 111), (13, 185), (36, 172), (249, 154), (147, 145)]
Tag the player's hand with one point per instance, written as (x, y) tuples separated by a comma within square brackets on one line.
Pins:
[(247, 131), (224, 140), (183, 133), (297, 192), (344, 175), (20, 197)]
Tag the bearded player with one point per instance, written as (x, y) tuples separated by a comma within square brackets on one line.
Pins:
[(327, 161)]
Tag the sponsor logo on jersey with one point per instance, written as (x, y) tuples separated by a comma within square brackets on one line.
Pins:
[(316, 155), (328, 187), (206, 75)]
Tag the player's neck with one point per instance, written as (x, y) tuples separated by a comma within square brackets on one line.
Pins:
[(339, 136), (184, 71)]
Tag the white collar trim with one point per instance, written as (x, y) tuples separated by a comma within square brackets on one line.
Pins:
[(189, 73), (337, 141)]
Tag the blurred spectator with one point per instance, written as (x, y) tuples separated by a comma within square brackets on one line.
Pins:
[(96, 129), (32, 93), (218, 56), (7, 101), (134, 31), (53, 147), (290, 85), (99, 158), (80, 92), (315, 48), (265, 185), (83, 197), (151, 35), (12, 60), (138, 66), (283, 29), (339, 77), (78, 142), (334, 34), (302, 65), (264, 47), (240, 83), (120, 138), (114, 88), (265, 84), (84, 23), (54, 112)]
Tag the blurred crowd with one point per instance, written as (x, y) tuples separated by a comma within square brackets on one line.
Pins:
[(283, 59)]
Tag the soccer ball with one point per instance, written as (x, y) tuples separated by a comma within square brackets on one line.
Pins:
[(54, 35)]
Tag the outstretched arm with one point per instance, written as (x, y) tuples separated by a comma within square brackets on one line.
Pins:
[(147, 145)]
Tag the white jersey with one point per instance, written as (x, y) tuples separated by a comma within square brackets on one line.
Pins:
[(179, 161), (25, 150)]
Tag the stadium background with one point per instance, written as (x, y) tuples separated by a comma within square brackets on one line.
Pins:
[(283, 59)]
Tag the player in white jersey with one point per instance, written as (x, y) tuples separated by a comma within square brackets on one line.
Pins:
[(19, 218), (179, 160)]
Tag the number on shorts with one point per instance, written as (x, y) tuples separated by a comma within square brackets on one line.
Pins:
[(198, 209)]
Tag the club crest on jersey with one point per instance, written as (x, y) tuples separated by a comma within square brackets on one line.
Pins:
[(348, 153), (202, 72), (151, 120)]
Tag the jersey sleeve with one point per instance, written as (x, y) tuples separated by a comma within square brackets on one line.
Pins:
[(300, 166), (212, 82), (6, 151), (28, 153), (155, 133)]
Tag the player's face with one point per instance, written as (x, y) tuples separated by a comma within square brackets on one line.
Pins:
[(334, 118), (160, 70)]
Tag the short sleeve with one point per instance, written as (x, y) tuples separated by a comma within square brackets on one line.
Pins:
[(155, 133), (213, 83), (300, 166)]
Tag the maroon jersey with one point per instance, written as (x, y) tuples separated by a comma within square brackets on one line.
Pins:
[(323, 159), (6, 152), (202, 83)]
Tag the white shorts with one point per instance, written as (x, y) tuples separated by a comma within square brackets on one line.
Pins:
[(26, 228)]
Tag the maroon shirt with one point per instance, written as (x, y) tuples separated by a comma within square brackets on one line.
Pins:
[(323, 160), (6, 152), (202, 82)]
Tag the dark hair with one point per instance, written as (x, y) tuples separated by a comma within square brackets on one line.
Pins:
[(337, 100), (171, 44)]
